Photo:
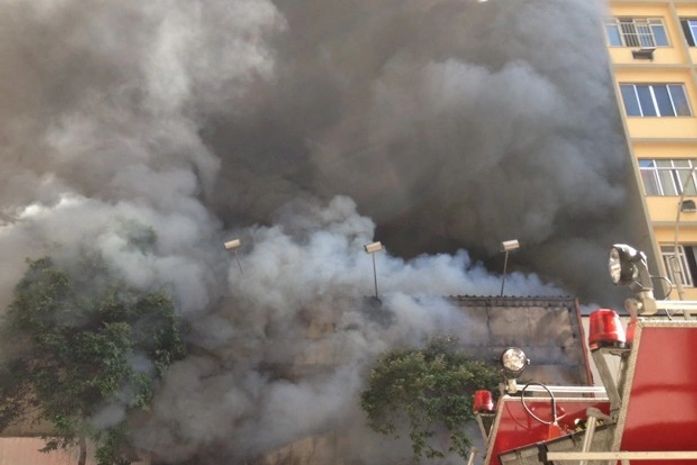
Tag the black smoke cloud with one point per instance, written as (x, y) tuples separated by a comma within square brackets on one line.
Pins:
[(450, 123), (301, 126)]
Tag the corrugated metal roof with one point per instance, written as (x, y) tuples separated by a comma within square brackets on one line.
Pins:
[(515, 301)]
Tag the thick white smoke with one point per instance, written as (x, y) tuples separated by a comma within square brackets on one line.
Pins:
[(183, 123), (284, 356)]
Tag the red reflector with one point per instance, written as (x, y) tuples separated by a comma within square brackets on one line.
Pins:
[(631, 329), (483, 401), (605, 330), (554, 431)]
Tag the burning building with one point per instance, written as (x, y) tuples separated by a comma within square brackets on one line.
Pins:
[(548, 329)]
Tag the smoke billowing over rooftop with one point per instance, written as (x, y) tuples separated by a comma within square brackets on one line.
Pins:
[(300, 127)]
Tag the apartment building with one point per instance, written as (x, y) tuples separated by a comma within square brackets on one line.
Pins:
[(653, 55)]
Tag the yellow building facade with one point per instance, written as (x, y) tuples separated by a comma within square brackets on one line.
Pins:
[(653, 55)]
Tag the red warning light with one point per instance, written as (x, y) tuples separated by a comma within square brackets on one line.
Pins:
[(605, 330), (483, 401)]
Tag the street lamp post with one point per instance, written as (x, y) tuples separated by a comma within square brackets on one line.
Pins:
[(508, 246), (233, 245), (676, 257), (371, 249)]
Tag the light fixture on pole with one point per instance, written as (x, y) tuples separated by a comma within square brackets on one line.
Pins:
[(371, 249), (233, 245), (629, 267), (683, 206), (514, 362), (507, 246)]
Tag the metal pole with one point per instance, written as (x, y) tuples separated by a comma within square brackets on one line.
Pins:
[(621, 455), (588, 437), (375, 276), (608, 380), (677, 264), (472, 455), (482, 429), (237, 259), (503, 278)]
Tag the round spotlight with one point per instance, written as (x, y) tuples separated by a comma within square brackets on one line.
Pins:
[(622, 264), (514, 361), (615, 266)]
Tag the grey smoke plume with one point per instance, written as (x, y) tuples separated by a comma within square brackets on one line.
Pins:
[(450, 123), (283, 358)]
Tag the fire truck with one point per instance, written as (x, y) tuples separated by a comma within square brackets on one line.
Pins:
[(645, 411)]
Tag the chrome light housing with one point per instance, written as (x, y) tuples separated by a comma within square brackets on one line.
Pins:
[(622, 264), (514, 362), (615, 266)]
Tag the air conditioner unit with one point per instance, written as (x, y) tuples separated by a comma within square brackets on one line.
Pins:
[(688, 206), (643, 53)]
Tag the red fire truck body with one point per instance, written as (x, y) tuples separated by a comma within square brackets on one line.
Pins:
[(644, 413), (515, 429), (656, 415)]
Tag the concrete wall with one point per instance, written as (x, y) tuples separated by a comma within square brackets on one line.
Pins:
[(548, 329), (25, 451)]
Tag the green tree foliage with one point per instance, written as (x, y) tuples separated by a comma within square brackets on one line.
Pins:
[(429, 392), (75, 343)]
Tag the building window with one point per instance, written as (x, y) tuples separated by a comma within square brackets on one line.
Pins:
[(668, 177), (661, 100), (636, 32), (683, 267), (689, 28)]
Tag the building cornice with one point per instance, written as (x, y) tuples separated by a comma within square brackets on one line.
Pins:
[(672, 224), (664, 140), (655, 2), (651, 66)]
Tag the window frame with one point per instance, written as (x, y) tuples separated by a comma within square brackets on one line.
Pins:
[(644, 21), (686, 272), (692, 40), (654, 101), (674, 172), (668, 256)]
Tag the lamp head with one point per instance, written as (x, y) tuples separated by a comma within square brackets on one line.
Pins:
[(507, 246), (373, 247), (514, 362), (233, 244), (624, 264)]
